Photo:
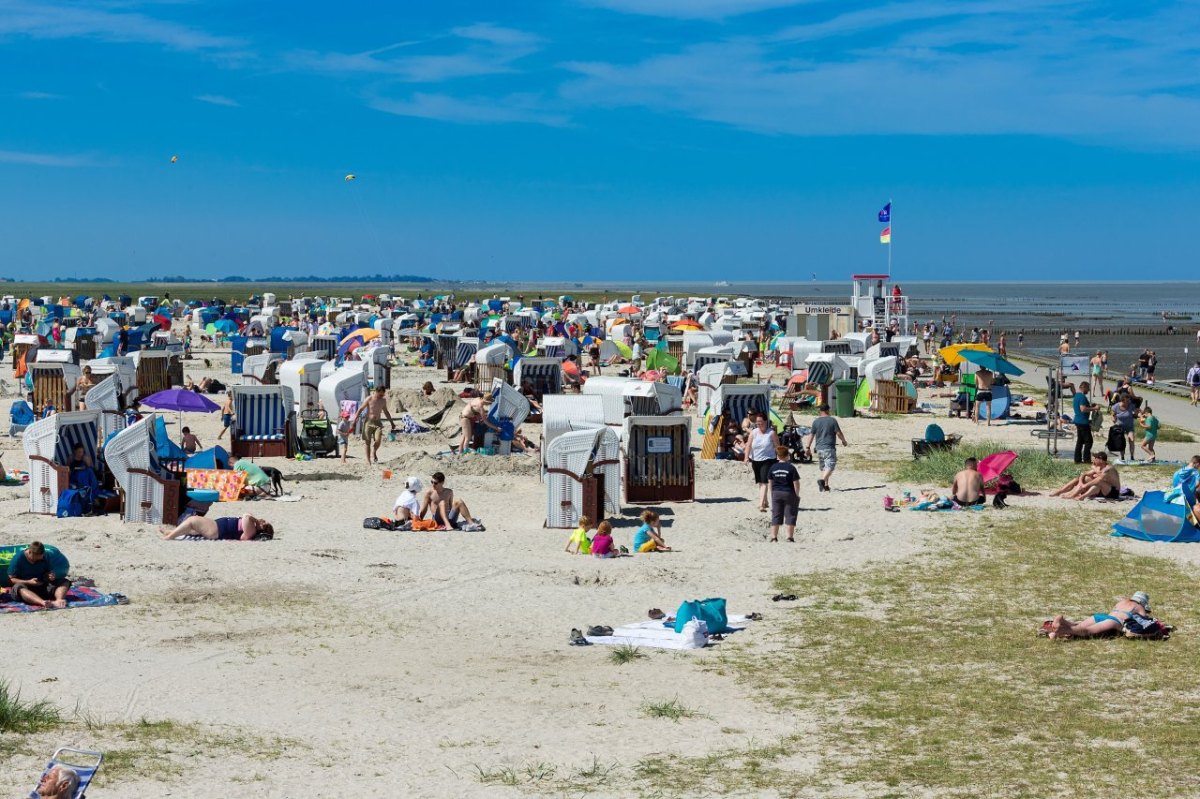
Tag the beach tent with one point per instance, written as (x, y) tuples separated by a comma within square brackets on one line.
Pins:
[(1156, 519)]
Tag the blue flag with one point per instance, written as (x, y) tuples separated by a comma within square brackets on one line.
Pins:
[(886, 214)]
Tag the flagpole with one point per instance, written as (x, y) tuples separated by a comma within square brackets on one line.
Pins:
[(890, 237)]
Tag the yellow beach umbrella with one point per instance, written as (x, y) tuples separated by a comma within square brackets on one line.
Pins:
[(952, 354)]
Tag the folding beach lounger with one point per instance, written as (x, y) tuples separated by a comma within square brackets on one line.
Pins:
[(85, 763)]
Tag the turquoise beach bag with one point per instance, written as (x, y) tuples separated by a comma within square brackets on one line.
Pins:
[(711, 611)]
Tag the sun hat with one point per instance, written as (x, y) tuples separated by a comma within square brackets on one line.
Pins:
[(1143, 599), (413, 484)]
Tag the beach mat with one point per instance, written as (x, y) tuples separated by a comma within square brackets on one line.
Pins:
[(77, 597), (1122, 462), (657, 634)]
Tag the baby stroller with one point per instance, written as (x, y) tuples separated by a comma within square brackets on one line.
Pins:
[(317, 436)]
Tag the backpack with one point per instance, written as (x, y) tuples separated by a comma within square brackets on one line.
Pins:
[(70, 503), (378, 523), (1008, 485)]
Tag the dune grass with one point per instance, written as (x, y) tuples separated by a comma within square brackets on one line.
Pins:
[(17, 715), (626, 653), (1034, 468), (925, 677)]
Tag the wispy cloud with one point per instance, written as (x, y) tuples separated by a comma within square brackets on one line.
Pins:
[(39, 96), (473, 51), (513, 108), (91, 20), (994, 67), (693, 9), (217, 99), (44, 159)]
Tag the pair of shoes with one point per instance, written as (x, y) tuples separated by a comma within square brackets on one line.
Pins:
[(784, 598), (599, 631), (577, 638)]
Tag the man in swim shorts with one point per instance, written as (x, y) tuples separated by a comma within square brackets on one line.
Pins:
[(375, 407), (1101, 480)]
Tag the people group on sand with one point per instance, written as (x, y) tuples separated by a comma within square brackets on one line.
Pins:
[(1100, 480)]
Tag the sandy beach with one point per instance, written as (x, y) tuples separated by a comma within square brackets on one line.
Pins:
[(337, 660)]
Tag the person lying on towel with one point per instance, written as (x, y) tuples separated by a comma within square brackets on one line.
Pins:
[(224, 528), (1102, 623)]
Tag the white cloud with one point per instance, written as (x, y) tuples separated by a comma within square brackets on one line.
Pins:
[(44, 159), (216, 99), (477, 50), (1005, 70), (473, 110), (40, 20), (693, 9)]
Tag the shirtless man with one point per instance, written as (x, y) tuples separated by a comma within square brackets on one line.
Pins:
[(444, 508), (374, 406), (983, 394), (967, 488), (474, 412), (226, 415), (1101, 480), (1101, 623)]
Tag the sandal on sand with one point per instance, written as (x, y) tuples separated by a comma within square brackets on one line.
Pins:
[(655, 613), (599, 631), (577, 638)]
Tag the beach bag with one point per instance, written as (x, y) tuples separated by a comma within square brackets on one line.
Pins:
[(70, 503), (1116, 439), (378, 523), (710, 611), (1008, 485)]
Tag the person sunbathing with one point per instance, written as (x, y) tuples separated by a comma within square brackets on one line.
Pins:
[(446, 509), (1100, 480), (1101, 623), (967, 488), (59, 782), (224, 528)]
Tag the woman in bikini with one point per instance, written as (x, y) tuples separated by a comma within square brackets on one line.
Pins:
[(475, 411), (225, 528), (1102, 623)]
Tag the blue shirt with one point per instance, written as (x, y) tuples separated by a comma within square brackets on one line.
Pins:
[(641, 537), (1081, 416)]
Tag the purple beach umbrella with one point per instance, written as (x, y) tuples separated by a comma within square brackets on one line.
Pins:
[(181, 400)]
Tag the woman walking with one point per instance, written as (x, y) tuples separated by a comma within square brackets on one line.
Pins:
[(760, 451)]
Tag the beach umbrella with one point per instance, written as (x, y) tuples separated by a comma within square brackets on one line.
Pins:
[(631, 309), (993, 361), (686, 324), (162, 322), (994, 465), (952, 355), (363, 334), (180, 399), (221, 326), (659, 359)]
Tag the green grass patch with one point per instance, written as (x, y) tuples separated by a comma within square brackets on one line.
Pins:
[(671, 709), (18, 715), (925, 677), (1171, 434), (1034, 468), (625, 653)]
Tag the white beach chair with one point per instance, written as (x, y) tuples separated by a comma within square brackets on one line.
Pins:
[(152, 495), (48, 444), (105, 397), (579, 459)]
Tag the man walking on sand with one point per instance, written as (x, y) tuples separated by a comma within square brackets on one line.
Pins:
[(826, 432), (374, 406)]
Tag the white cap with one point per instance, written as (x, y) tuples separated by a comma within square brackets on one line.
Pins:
[(413, 484)]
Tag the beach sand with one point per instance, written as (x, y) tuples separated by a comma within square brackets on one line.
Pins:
[(337, 660)]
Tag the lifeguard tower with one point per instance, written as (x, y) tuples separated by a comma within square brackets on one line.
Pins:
[(876, 304)]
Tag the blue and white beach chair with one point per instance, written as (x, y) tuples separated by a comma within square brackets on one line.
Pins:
[(85, 763)]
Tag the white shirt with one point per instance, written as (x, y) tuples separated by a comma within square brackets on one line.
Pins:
[(408, 500)]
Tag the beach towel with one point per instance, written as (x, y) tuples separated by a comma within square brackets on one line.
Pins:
[(941, 507), (78, 597), (659, 634), (226, 482)]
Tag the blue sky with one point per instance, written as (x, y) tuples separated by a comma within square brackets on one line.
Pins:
[(599, 139)]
